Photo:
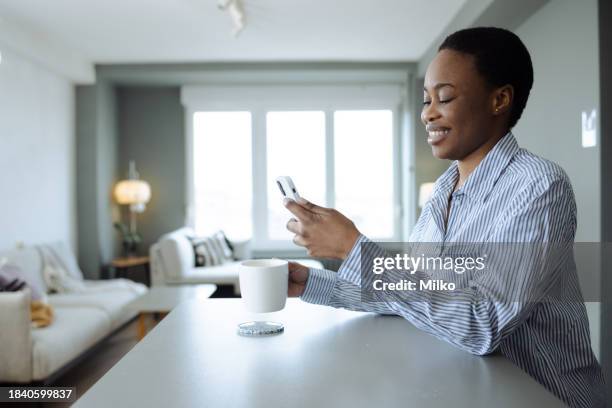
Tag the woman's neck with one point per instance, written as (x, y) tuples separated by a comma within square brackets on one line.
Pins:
[(469, 163)]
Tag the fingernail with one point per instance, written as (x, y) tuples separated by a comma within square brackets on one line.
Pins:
[(301, 200), (287, 201)]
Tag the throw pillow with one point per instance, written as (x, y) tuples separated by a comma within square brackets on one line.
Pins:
[(226, 246), (56, 276), (12, 280), (212, 250), (65, 257)]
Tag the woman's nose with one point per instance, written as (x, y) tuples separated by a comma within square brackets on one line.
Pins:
[(429, 113)]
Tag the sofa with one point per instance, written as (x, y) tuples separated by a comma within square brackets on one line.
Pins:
[(173, 262), (81, 320)]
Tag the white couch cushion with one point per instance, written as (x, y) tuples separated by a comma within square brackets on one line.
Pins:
[(29, 261), (112, 301), (73, 331), (67, 258)]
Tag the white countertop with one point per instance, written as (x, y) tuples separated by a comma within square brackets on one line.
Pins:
[(325, 357)]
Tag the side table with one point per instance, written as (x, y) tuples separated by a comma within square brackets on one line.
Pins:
[(125, 267)]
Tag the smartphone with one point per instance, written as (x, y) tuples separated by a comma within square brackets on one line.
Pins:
[(287, 188)]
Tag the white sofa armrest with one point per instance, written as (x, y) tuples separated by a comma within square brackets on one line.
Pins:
[(15, 337), (158, 276), (176, 256)]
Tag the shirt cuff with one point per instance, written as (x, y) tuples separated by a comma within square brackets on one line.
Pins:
[(350, 270), (319, 286)]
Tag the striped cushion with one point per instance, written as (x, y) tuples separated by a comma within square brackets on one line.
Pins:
[(211, 250)]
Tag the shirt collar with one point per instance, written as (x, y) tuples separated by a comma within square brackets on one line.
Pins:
[(480, 183)]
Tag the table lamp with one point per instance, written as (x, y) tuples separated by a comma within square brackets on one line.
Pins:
[(133, 192)]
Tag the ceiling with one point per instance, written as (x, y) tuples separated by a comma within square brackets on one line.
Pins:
[(142, 31)]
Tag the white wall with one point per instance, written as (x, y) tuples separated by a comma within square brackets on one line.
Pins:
[(37, 154), (563, 40)]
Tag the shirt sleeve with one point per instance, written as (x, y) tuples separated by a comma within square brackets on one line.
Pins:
[(319, 286), (477, 316), (324, 287)]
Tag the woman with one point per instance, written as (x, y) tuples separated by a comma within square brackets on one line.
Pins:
[(476, 89)]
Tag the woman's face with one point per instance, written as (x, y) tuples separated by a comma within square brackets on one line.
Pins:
[(458, 108)]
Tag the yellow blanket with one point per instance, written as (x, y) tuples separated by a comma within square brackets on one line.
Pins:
[(42, 314)]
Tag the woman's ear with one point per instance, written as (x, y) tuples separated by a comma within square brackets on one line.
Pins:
[(502, 99)]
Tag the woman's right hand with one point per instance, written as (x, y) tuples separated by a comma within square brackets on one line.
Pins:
[(298, 276)]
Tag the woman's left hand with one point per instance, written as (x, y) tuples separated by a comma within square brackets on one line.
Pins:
[(324, 232)]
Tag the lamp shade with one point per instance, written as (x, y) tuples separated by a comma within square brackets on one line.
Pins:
[(425, 191), (132, 192)]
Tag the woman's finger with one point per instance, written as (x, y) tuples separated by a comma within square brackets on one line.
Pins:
[(294, 226), (296, 209), (310, 206), (299, 240)]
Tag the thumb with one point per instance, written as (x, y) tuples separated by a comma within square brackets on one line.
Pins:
[(298, 273), (293, 266)]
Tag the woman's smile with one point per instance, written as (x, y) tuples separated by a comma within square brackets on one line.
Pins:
[(436, 134)]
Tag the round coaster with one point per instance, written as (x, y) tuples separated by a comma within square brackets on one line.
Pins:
[(251, 329)]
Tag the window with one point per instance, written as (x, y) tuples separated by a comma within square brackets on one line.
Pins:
[(338, 144), (363, 159), (222, 173), (295, 147)]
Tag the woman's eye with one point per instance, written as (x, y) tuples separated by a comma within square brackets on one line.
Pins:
[(426, 103), (446, 100)]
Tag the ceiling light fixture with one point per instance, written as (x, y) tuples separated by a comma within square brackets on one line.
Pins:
[(235, 8)]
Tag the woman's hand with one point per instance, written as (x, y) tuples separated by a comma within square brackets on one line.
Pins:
[(324, 232), (298, 276)]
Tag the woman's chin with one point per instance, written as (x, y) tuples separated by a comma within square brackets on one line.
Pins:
[(443, 148), (441, 152)]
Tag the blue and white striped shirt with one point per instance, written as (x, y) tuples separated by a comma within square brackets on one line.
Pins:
[(513, 196)]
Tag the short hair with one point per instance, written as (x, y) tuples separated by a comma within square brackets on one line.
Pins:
[(500, 57)]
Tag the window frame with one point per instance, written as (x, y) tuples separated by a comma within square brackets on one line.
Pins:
[(259, 100)]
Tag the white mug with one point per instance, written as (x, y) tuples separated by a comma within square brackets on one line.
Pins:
[(263, 284)]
